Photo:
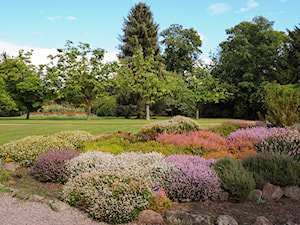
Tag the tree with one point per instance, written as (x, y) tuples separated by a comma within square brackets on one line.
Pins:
[(290, 64), (139, 31), (182, 48), (138, 75), (80, 73), (205, 89), (247, 58), (23, 88)]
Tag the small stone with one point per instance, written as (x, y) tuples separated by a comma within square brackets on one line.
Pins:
[(290, 223), (292, 192), (8, 160), (226, 220), (261, 220), (12, 166), (36, 198), (179, 218), (12, 190), (58, 206), (271, 192), (151, 217), (220, 197), (255, 195)]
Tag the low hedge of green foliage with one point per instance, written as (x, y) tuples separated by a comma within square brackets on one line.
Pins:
[(77, 138), (225, 129)]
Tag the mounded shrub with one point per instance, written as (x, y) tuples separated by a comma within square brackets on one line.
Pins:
[(273, 168), (78, 138), (225, 129), (51, 165), (26, 150), (234, 178), (197, 142), (159, 202), (192, 178), (177, 125), (111, 196), (285, 141), (154, 146)]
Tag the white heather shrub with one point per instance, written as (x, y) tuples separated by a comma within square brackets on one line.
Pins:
[(27, 149), (177, 125), (114, 188), (113, 197), (78, 138)]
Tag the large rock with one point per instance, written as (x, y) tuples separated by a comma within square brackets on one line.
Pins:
[(150, 217), (179, 217), (226, 220), (220, 197), (271, 192), (12, 166), (261, 220), (292, 192), (58, 206), (255, 195)]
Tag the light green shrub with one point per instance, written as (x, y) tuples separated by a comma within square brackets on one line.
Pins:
[(113, 197), (78, 138), (27, 149), (177, 125)]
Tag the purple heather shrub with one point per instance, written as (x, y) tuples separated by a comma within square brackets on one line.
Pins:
[(255, 134), (192, 178), (51, 165)]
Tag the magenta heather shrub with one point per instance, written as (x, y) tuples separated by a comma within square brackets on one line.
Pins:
[(50, 166), (198, 142), (192, 179)]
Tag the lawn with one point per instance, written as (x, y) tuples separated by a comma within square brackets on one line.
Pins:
[(19, 127)]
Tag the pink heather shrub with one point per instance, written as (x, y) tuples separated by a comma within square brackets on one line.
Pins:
[(192, 178), (255, 134), (50, 166), (198, 142), (283, 141)]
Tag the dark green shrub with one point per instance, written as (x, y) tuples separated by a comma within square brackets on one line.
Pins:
[(225, 129), (154, 146), (277, 169), (234, 178)]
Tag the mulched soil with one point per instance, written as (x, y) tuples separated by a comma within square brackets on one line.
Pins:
[(277, 212)]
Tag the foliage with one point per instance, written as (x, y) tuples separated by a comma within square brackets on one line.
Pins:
[(23, 88), (51, 165), (5, 175), (234, 178), (27, 149), (197, 142), (248, 57), (159, 202), (154, 146), (225, 129), (105, 107), (192, 178), (111, 196), (80, 75), (282, 103), (284, 141), (273, 168), (138, 74), (178, 124), (136, 164), (63, 107), (182, 48), (77, 138)]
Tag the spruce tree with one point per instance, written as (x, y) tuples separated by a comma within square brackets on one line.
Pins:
[(139, 30)]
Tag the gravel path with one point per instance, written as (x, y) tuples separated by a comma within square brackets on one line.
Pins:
[(17, 212)]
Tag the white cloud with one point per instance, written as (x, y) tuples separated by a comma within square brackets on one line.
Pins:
[(202, 37), (250, 5), (54, 18), (39, 55), (71, 18), (283, 1), (218, 8)]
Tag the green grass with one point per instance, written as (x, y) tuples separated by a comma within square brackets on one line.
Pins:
[(38, 125)]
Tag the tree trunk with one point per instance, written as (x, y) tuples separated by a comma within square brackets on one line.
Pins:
[(147, 112), (197, 113), (89, 111), (28, 113)]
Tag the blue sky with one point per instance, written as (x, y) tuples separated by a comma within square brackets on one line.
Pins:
[(46, 25)]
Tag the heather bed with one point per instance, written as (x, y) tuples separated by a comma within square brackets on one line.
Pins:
[(114, 186)]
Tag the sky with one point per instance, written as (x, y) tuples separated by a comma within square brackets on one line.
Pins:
[(44, 25)]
